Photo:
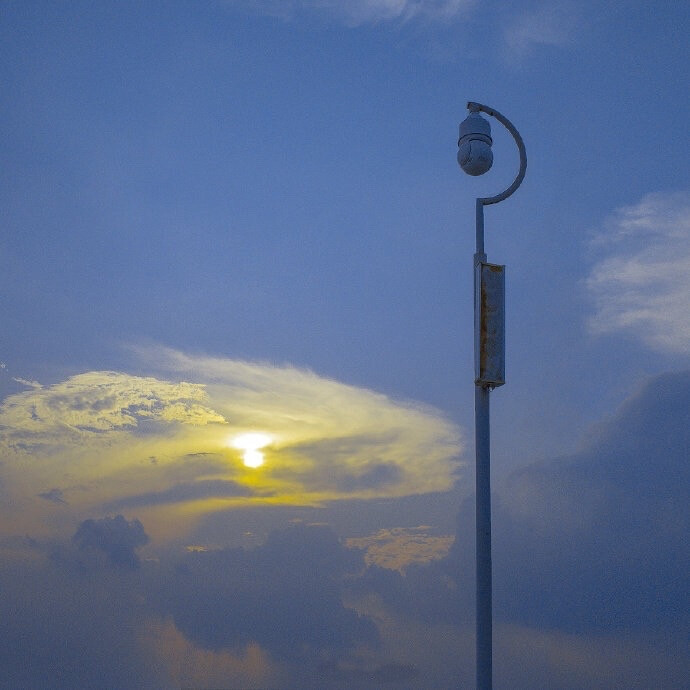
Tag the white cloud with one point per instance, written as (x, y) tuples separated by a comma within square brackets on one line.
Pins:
[(359, 12), (641, 283)]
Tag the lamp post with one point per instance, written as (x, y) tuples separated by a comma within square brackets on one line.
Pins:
[(475, 158)]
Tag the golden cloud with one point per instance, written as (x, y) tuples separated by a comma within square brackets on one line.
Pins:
[(167, 448), (399, 547)]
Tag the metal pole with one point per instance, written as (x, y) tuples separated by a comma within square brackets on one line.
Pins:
[(485, 350), (482, 445), (483, 546)]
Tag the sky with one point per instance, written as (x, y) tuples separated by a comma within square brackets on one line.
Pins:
[(236, 343)]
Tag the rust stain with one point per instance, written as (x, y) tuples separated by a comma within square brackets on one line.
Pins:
[(491, 336), (483, 329)]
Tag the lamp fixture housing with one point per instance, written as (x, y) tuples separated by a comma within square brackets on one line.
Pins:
[(474, 145)]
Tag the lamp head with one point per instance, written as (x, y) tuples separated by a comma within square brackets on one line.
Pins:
[(474, 153)]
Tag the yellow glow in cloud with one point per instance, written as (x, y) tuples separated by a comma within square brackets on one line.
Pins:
[(169, 449)]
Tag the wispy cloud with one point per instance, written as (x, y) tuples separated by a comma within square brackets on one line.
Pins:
[(549, 24), (103, 441), (641, 283), (360, 12)]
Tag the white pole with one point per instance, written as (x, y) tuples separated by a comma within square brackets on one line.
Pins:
[(483, 546), (489, 338)]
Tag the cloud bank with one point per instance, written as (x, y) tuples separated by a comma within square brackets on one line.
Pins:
[(590, 554), (285, 595), (641, 282), (114, 442), (590, 583)]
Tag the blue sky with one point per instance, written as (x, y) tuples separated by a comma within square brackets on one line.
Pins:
[(238, 217)]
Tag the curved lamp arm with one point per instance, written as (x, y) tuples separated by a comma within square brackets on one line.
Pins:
[(485, 201), (476, 107)]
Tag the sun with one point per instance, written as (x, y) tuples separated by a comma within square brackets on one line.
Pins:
[(250, 443)]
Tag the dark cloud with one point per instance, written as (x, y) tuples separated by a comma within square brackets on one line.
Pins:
[(17, 543), (286, 595), (116, 538), (385, 674), (590, 545), (63, 627), (341, 448), (341, 478), (73, 620), (600, 539), (339, 474), (372, 476), (188, 491), (54, 496)]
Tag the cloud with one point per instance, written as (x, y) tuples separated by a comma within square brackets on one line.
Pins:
[(54, 495), (114, 537), (399, 547), (595, 542), (189, 491), (189, 666), (99, 402), (641, 283), (386, 674), (165, 447), (588, 550), (360, 12), (590, 582), (285, 595), (551, 24), (603, 532), (69, 627), (79, 614)]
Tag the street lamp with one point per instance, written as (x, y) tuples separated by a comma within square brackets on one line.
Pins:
[(475, 158)]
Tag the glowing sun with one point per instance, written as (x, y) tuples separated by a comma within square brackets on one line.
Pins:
[(251, 443)]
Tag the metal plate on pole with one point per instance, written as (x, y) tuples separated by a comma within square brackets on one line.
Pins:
[(490, 317)]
